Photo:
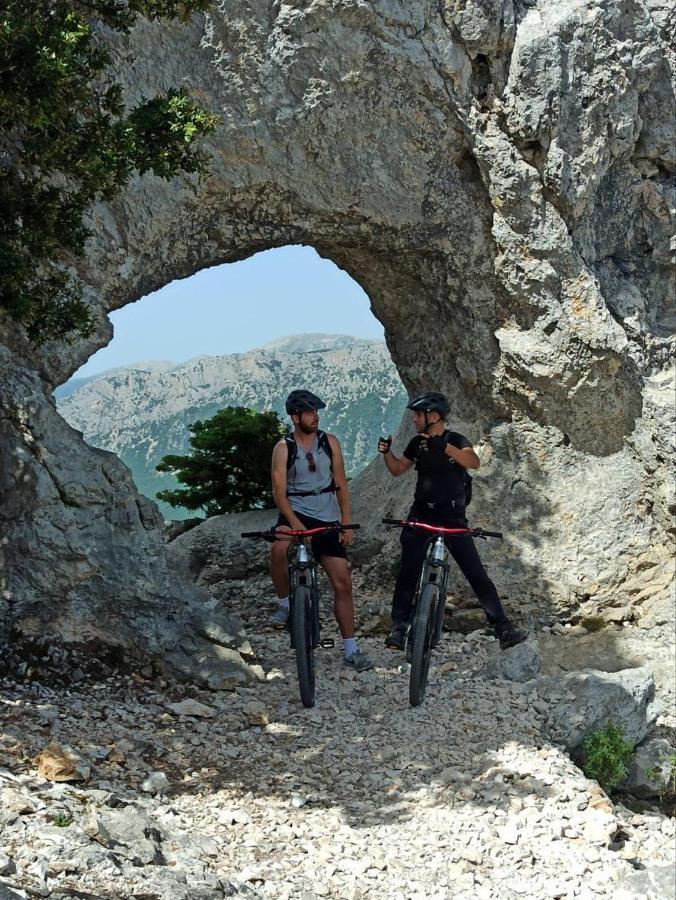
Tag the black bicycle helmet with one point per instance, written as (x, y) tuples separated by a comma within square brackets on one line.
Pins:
[(303, 401), (430, 401)]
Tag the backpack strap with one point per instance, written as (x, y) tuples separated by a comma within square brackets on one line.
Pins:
[(292, 450), (325, 444)]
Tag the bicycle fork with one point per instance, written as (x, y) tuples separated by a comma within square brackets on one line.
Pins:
[(299, 570), (435, 571)]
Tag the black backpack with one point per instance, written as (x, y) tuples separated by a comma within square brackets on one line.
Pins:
[(466, 477)]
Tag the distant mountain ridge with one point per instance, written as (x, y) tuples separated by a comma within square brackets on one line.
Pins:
[(142, 412), (314, 343), (293, 343), (74, 384)]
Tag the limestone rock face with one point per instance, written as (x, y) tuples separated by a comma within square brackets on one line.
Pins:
[(592, 699), (499, 178), (84, 554)]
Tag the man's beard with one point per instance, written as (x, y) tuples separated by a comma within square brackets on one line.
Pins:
[(308, 429)]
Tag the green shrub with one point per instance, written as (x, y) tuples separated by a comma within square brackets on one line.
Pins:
[(62, 821), (606, 754), (69, 137), (228, 469)]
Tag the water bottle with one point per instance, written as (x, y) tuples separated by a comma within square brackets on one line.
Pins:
[(438, 551)]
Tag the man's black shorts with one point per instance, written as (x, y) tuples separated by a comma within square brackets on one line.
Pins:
[(328, 544)]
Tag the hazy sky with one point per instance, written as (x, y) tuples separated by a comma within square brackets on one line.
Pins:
[(238, 306)]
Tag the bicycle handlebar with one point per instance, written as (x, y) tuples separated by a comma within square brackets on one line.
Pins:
[(272, 535), (412, 523)]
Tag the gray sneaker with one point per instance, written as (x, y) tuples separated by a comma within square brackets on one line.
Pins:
[(358, 661), (280, 617)]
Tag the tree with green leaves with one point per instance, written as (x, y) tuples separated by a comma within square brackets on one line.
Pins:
[(229, 468), (67, 140)]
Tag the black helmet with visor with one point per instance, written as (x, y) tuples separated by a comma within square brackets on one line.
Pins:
[(303, 401), (430, 401)]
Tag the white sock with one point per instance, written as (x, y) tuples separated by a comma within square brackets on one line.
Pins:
[(283, 602), (349, 646)]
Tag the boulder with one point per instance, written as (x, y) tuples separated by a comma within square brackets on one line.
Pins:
[(60, 763), (129, 833), (582, 702), (653, 883), (520, 663), (652, 770)]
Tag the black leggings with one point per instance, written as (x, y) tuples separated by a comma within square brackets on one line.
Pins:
[(463, 551)]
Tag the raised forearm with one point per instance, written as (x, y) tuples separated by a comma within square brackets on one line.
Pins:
[(395, 466), (467, 458)]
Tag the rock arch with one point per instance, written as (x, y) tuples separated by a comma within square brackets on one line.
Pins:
[(497, 177)]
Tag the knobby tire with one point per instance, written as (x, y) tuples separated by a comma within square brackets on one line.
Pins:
[(423, 631), (302, 629), (439, 614)]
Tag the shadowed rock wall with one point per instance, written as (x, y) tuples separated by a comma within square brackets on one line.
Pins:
[(498, 177)]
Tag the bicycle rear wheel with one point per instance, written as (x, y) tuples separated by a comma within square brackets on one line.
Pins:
[(302, 632), (423, 632)]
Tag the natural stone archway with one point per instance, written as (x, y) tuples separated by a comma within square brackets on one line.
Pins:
[(497, 176)]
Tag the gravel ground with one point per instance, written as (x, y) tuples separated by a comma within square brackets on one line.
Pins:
[(188, 794)]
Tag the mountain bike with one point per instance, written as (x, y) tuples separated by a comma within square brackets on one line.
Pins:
[(303, 600), (429, 601)]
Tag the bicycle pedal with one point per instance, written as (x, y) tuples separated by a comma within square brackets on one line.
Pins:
[(327, 643)]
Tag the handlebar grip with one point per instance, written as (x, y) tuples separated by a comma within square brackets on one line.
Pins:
[(350, 527), (392, 521), (252, 534), (495, 534)]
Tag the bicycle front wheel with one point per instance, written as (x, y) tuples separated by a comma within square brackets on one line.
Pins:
[(302, 632), (424, 623)]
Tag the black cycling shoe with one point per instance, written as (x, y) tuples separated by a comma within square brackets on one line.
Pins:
[(396, 639), (509, 636)]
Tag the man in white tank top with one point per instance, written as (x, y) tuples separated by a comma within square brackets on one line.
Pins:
[(310, 490)]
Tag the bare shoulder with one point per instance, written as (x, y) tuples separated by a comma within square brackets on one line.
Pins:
[(333, 441), (280, 450)]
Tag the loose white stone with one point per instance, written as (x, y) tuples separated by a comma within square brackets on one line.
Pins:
[(155, 783), (192, 708)]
